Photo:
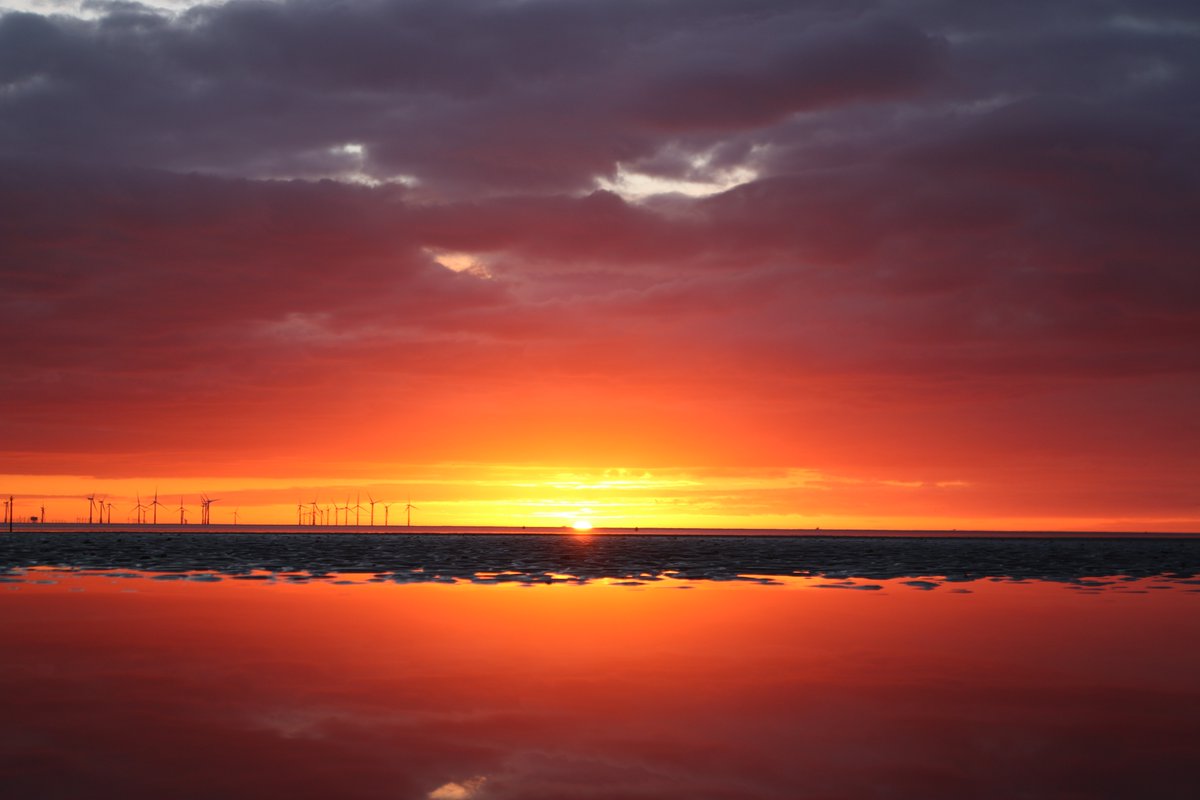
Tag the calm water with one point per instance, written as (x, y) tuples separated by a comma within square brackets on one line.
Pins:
[(200, 685)]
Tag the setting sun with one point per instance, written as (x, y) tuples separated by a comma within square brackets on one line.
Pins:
[(582, 525)]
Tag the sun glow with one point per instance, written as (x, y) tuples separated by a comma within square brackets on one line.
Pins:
[(537, 497)]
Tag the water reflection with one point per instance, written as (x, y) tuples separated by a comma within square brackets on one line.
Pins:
[(149, 684)]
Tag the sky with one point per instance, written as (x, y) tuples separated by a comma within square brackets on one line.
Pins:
[(727, 263)]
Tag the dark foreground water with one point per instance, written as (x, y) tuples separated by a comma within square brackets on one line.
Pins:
[(541, 558), (462, 669)]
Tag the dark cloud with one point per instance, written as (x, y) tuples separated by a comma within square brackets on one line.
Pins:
[(470, 96), (711, 85)]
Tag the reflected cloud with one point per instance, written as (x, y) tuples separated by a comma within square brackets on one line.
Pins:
[(869, 587), (922, 585)]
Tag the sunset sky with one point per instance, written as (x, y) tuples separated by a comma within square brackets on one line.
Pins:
[(722, 263)]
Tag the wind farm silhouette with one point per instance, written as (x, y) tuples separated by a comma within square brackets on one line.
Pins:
[(311, 513)]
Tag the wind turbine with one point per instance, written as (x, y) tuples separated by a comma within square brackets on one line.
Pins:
[(206, 508), (316, 509), (372, 501), (358, 509), (181, 521), (235, 516), (409, 507), (110, 508), (386, 506), (299, 514), (91, 498), (155, 504), (140, 510)]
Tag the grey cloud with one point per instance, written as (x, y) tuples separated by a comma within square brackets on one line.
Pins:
[(544, 96)]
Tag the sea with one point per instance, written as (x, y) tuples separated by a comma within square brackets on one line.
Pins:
[(491, 664)]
